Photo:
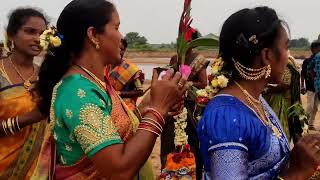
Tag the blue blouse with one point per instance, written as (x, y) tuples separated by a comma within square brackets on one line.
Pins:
[(235, 144)]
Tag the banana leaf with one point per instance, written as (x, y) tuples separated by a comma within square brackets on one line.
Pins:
[(210, 41)]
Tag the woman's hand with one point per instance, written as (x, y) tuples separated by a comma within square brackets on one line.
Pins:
[(168, 92), (305, 158)]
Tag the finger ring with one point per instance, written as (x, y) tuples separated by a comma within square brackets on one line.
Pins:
[(180, 85), (316, 146)]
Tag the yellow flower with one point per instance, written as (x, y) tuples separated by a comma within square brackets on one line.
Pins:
[(202, 93), (214, 83), (55, 41), (215, 69), (43, 44), (6, 42), (223, 81)]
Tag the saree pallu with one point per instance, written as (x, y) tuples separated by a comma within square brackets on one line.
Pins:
[(48, 168), (19, 152), (122, 74)]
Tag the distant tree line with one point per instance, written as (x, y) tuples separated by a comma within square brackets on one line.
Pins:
[(139, 42)]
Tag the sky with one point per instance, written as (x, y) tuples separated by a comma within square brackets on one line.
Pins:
[(158, 20)]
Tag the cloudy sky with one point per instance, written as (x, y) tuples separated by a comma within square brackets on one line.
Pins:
[(157, 20)]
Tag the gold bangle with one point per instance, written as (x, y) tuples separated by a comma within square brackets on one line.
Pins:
[(149, 131), (17, 122), (152, 124), (157, 123), (280, 178), (13, 125), (10, 126), (4, 127)]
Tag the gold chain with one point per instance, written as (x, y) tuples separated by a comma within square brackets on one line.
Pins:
[(100, 83), (263, 114), (26, 82)]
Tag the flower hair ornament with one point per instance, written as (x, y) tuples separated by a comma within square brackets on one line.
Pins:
[(7, 44), (50, 38)]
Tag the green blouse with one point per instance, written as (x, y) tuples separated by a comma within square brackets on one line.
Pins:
[(82, 126)]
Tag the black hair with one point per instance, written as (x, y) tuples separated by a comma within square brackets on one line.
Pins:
[(315, 44), (18, 17), (73, 22), (124, 42), (245, 33)]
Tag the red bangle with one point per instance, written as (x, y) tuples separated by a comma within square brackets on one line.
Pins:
[(153, 125), (157, 114)]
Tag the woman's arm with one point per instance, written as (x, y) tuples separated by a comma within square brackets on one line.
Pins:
[(24, 120)]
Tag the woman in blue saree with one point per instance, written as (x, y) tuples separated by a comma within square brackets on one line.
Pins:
[(240, 136)]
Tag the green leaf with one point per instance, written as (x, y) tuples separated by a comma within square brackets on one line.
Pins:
[(212, 41)]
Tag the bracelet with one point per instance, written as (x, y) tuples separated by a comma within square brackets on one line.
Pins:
[(156, 122), (156, 113), (280, 178), (17, 123), (140, 116), (146, 129), (10, 126), (13, 125), (152, 124), (4, 126), (149, 126)]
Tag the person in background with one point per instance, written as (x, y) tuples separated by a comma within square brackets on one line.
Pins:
[(199, 79), (22, 125), (127, 78), (282, 96), (240, 135), (307, 85)]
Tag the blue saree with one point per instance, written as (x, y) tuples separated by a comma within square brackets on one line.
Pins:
[(236, 145)]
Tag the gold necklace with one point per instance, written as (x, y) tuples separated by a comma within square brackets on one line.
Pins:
[(264, 116), (27, 82), (99, 82)]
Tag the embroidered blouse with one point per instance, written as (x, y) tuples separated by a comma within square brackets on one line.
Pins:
[(81, 114)]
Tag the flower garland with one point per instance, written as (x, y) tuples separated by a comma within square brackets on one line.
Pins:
[(50, 38), (217, 79)]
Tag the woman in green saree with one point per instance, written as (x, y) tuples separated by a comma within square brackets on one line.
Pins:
[(93, 134), (22, 126), (285, 95)]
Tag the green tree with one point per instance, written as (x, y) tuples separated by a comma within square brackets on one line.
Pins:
[(299, 43), (134, 39)]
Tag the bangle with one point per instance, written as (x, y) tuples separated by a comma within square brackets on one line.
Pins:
[(156, 113), (146, 129), (156, 122), (10, 126), (149, 126), (152, 124), (4, 126), (17, 122), (13, 125), (140, 116), (280, 178)]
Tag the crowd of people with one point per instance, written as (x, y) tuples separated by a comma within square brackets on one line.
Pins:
[(76, 116)]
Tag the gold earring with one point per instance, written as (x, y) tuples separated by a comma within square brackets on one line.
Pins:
[(11, 46), (97, 46), (268, 71)]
